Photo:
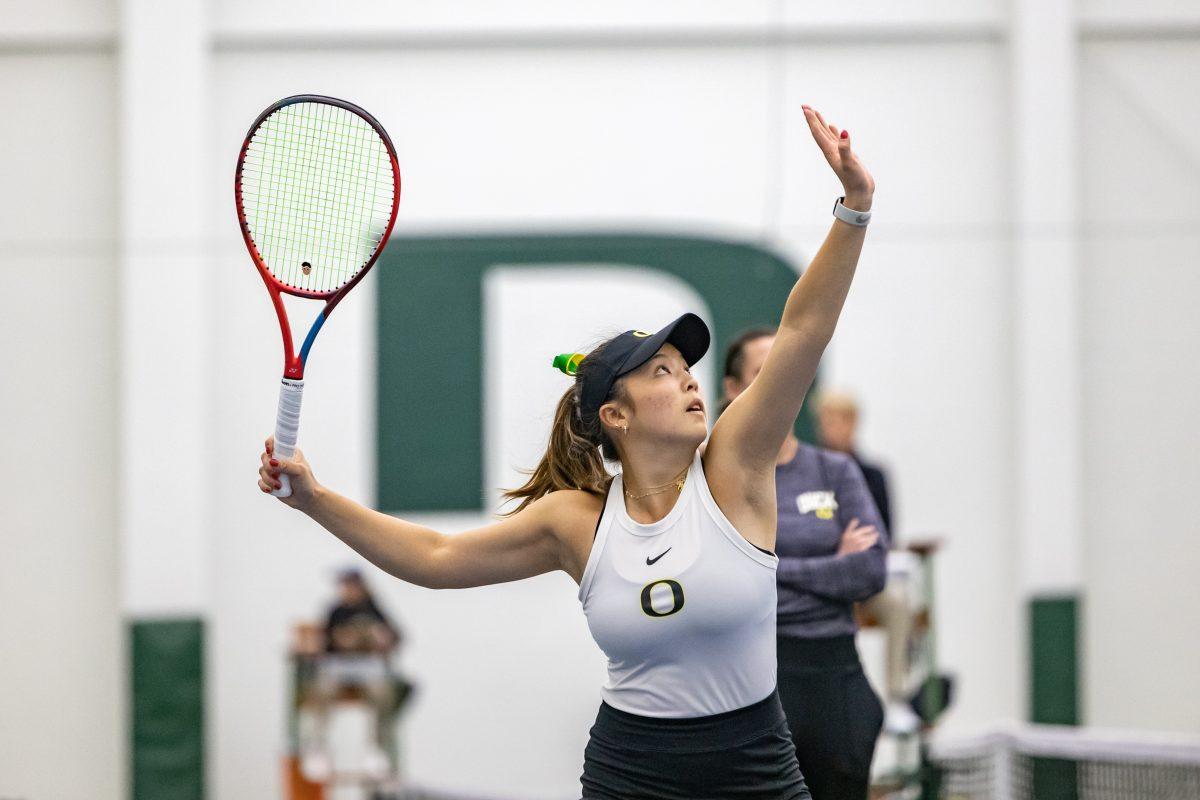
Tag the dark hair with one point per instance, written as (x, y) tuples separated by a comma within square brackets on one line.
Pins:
[(578, 446), (351, 575), (735, 353), (735, 356)]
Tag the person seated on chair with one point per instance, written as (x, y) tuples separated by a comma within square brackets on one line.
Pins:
[(359, 638)]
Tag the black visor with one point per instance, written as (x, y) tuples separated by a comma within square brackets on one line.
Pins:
[(631, 349)]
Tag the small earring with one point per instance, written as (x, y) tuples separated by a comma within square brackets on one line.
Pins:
[(624, 429)]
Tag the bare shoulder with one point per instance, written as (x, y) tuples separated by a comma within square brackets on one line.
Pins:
[(569, 509), (572, 515)]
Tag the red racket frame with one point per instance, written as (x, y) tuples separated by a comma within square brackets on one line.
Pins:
[(293, 362)]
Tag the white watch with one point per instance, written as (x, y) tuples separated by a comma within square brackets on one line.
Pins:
[(849, 215)]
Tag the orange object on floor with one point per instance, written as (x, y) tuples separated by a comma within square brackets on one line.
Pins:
[(296, 786)]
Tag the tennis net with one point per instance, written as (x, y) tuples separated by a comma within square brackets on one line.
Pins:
[(1047, 762)]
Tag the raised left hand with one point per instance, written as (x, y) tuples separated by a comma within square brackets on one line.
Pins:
[(857, 183)]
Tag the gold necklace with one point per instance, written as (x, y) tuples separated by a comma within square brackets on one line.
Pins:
[(678, 483)]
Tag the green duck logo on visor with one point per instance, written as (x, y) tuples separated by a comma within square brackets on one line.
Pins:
[(568, 363)]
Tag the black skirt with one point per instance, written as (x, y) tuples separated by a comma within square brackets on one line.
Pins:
[(746, 754)]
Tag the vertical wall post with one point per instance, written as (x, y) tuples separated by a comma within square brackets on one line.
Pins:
[(163, 494)]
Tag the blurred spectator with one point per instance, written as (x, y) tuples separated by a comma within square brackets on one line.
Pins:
[(355, 624), (837, 427)]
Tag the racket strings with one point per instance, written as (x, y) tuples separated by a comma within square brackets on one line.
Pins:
[(304, 138), (335, 215), (317, 189)]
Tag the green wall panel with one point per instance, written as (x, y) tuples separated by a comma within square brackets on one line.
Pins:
[(167, 694), (1054, 686), (1054, 660)]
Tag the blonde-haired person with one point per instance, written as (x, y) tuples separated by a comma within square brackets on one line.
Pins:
[(837, 429), (673, 556)]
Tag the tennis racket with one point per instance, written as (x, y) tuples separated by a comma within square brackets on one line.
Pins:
[(317, 188)]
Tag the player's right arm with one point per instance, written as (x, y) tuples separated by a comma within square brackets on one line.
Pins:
[(535, 541)]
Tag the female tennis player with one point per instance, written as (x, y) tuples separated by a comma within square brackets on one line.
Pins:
[(832, 547), (673, 556)]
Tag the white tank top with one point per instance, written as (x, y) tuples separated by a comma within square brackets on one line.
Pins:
[(684, 608)]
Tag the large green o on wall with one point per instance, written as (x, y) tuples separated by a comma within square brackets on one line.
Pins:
[(429, 395)]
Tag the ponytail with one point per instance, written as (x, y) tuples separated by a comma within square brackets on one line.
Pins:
[(575, 456)]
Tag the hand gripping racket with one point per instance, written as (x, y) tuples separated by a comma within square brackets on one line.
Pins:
[(317, 188)]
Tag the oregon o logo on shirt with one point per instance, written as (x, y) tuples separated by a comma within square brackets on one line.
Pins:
[(657, 594)]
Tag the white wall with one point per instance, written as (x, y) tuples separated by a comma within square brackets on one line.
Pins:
[(61, 711), (62, 21), (1141, 238), (924, 340)]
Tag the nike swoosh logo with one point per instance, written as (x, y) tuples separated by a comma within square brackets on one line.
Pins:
[(862, 218), (650, 560)]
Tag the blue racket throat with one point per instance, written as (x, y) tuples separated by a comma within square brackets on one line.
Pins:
[(312, 334)]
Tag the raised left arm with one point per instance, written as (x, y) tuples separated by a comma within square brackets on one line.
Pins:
[(755, 425)]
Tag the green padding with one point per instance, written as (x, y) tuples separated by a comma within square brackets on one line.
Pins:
[(430, 364), (167, 663), (1054, 686), (1055, 779), (1054, 660)]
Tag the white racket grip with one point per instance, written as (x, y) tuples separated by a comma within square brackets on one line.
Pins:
[(287, 426)]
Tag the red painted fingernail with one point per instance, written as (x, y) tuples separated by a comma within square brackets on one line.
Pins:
[(845, 134), (274, 463)]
